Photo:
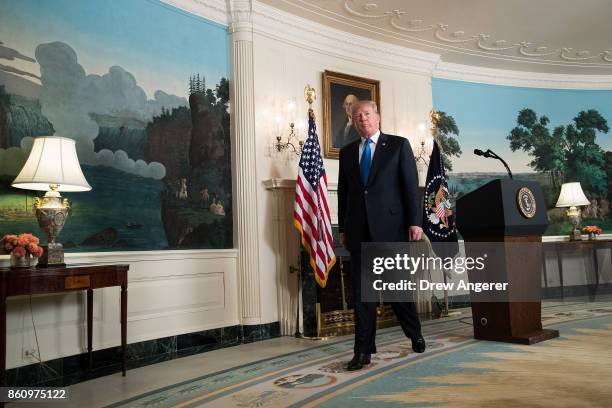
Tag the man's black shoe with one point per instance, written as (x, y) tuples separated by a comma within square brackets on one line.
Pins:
[(418, 344), (358, 361)]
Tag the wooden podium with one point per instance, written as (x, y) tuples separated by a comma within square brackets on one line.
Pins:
[(512, 215)]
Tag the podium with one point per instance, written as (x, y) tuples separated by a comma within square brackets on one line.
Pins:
[(510, 216)]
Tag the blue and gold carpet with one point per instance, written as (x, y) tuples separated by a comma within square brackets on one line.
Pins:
[(574, 370)]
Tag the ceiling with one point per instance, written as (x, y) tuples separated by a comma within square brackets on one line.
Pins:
[(556, 36)]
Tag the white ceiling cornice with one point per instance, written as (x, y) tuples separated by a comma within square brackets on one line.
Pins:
[(403, 24), (568, 37), (294, 30), (214, 10), (298, 31), (469, 73)]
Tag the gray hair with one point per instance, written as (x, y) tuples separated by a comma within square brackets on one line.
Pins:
[(360, 104)]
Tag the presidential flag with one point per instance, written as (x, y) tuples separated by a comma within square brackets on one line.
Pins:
[(311, 213), (438, 211)]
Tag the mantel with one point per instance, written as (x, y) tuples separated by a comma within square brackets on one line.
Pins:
[(289, 184)]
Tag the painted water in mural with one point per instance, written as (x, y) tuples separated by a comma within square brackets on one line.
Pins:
[(142, 88), (550, 136)]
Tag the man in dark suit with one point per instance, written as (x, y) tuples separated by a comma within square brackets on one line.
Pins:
[(378, 201)]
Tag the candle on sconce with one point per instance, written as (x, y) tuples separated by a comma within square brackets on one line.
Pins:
[(277, 125), (422, 175), (301, 126)]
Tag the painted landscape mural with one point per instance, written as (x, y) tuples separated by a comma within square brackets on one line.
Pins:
[(142, 87), (550, 136)]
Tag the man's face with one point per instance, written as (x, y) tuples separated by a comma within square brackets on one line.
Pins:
[(348, 104), (366, 120)]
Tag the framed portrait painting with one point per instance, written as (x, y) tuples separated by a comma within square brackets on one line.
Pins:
[(340, 92)]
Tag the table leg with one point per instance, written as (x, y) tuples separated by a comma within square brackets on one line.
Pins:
[(123, 328), (596, 266), (560, 265), (90, 326), (593, 288), (3, 342)]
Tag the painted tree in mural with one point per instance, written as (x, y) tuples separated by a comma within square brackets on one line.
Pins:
[(568, 153), (446, 127)]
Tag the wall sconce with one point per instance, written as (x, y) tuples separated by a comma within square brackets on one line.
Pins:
[(422, 151), (292, 141)]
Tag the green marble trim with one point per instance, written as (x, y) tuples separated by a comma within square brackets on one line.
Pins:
[(69, 370)]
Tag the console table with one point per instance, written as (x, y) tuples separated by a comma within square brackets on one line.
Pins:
[(35, 281), (582, 247)]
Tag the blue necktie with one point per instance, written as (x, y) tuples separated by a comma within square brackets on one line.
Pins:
[(366, 161)]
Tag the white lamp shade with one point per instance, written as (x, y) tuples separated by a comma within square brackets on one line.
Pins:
[(53, 160), (572, 195)]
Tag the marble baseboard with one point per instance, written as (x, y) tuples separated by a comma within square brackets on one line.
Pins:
[(65, 371)]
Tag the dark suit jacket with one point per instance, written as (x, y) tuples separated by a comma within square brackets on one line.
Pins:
[(388, 203)]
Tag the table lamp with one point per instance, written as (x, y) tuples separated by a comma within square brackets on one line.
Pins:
[(572, 196), (52, 166)]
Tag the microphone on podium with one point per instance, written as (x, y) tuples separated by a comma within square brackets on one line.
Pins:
[(489, 154)]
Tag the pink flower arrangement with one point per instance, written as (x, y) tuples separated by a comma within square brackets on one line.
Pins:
[(21, 245), (591, 229)]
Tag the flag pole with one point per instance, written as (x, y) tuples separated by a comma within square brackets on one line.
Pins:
[(434, 117), (310, 95), (297, 333)]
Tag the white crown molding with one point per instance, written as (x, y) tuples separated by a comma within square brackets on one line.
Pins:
[(291, 29), (469, 73), (297, 31), (214, 10), (403, 26)]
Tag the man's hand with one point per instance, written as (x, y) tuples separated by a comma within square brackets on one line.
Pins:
[(415, 232), (343, 240)]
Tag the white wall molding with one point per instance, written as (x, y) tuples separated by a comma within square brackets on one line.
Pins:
[(131, 257), (469, 73), (169, 294), (214, 10), (293, 30)]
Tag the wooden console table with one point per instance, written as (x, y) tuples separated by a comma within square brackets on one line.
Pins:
[(582, 247), (35, 281)]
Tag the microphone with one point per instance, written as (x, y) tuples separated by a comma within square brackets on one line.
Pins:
[(487, 154), (490, 154)]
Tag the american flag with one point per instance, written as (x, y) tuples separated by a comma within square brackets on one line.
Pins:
[(440, 211), (311, 214)]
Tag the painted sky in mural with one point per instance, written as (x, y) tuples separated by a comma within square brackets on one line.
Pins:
[(485, 114), (134, 83)]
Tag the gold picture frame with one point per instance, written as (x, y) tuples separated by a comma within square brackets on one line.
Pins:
[(337, 89)]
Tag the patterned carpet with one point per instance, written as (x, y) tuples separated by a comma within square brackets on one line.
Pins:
[(574, 370)]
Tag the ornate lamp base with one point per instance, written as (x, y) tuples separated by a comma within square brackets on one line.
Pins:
[(52, 212), (575, 235), (573, 214), (53, 255)]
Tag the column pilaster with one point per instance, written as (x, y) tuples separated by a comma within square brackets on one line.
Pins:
[(244, 149)]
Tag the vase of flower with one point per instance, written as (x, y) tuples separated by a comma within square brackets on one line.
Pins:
[(21, 261), (23, 248), (593, 231)]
